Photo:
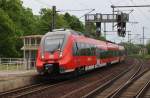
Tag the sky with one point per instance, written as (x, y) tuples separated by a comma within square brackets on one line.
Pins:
[(140, 15)]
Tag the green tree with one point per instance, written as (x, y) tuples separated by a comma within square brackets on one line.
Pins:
[(45, 21), (15, 21), (74, 23), (148, 47), (132, 48)]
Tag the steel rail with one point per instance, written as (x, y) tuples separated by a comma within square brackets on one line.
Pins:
[(107, 84), (142, 90), (25, 91), (6, 93), (116, 92), (34, 91)]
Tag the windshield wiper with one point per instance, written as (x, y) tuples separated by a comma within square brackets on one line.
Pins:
[(58, 48)]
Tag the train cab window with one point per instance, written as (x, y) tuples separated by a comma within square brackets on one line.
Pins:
[(53, 43)]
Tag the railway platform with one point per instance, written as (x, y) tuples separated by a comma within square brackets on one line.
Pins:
[(14, 79), (18, 73)]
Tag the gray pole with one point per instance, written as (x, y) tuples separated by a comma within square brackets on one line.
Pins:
[(112, 6), (128, 36), (113, 19), (143, 35), (105, 30), (53, 17)]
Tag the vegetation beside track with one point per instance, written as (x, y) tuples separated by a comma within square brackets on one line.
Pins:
[(144, 57), (17, 20), (11, 67)]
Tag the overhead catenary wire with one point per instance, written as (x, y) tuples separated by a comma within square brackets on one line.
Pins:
[(140, 10), (62, 10), (44, 4), (72, 10)]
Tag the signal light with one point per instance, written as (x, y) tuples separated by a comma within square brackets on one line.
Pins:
[(98, 28), (121, 25)]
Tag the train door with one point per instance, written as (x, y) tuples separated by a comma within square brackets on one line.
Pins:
[(76, 54)]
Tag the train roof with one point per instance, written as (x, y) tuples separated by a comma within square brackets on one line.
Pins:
[(63, 31), (81, 38)]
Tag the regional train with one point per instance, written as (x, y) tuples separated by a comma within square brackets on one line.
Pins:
[(63, 51)]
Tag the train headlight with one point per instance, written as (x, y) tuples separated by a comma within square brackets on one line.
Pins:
[(60, 55), (42, 57)]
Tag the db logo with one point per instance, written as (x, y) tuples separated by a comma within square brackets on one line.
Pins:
[(51, 56), (89, 59)]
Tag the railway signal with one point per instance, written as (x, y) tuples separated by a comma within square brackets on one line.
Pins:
[(98, 18), (122, 28), (121, 24), (98, 28)]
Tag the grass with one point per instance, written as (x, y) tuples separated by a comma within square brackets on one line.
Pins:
[(145, 56), (11, 67)]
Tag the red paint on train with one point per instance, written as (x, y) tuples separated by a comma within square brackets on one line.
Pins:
[(66, 51)]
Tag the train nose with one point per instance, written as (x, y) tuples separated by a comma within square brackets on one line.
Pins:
[(52, 56)]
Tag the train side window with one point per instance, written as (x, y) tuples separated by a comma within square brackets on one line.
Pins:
[(80, 50), (109, 53), (86, 50), (100, 50), (89, 50), (97, 52), (83, 49), (115, 53), (91, 47), (102, 54), (119, 53), (79, 47), (75, 49), (92, 50)]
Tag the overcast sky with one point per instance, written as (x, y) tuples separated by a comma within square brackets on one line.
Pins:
[(141, 15)]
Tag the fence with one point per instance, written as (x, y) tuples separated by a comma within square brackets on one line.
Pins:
[(16, 64)]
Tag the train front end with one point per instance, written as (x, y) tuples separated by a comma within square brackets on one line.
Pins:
[(50, 53)]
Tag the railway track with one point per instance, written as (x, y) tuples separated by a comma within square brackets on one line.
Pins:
[(141, 92), (67, 87), (23, 90), (83, 90), (120, 87), (32, 89), (145, 91)]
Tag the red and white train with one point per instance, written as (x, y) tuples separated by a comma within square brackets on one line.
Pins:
[(65, 51)]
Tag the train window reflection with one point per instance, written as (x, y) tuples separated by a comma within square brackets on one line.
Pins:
[(53, 43)]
